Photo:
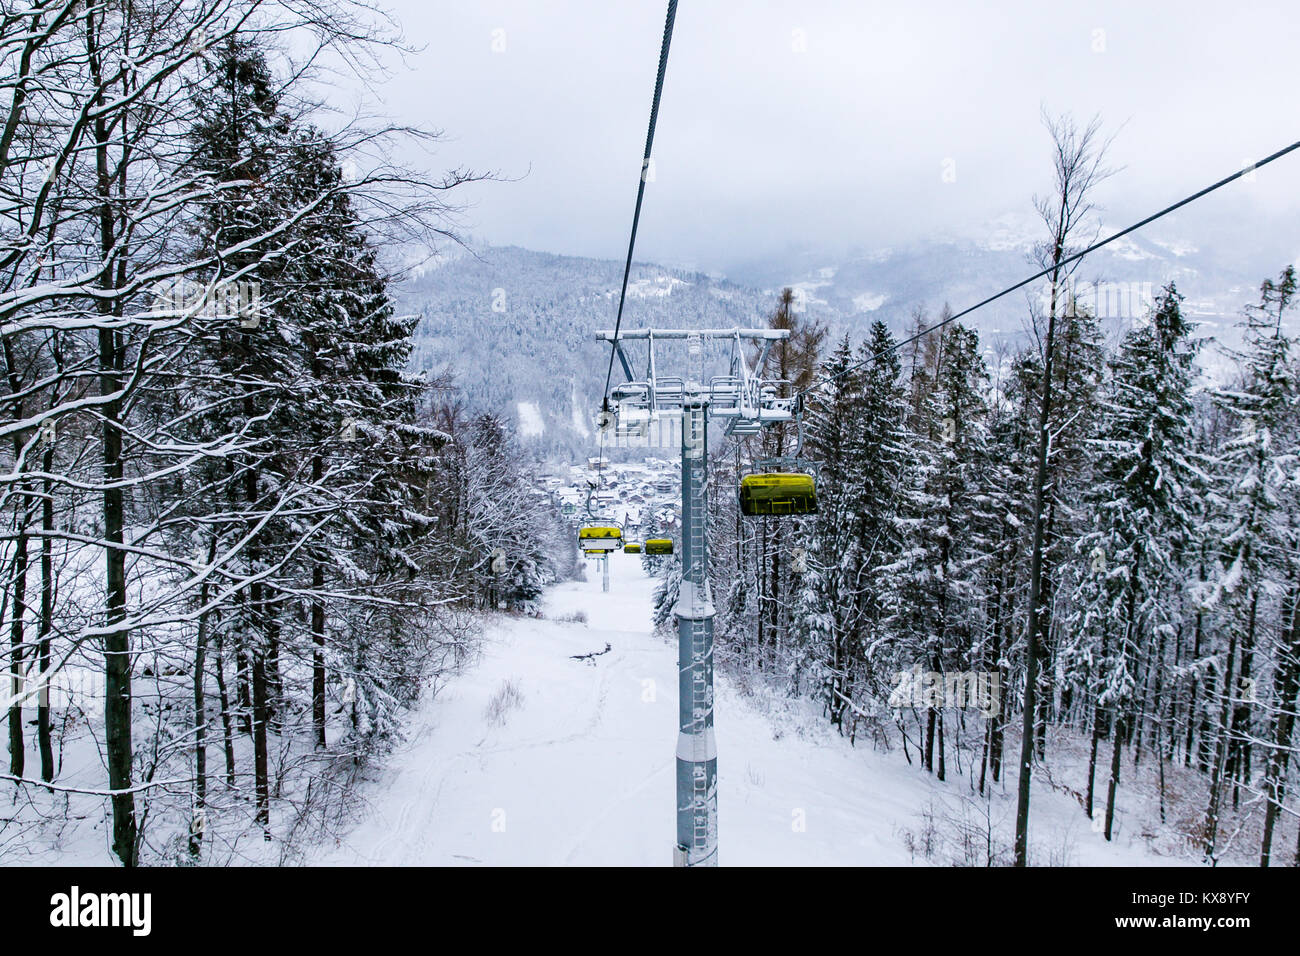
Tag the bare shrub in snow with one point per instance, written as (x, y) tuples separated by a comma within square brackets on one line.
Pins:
[(926, 840), (507, 698)]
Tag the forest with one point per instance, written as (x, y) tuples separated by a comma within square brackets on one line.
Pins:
[(236, 527), (1096, 531)]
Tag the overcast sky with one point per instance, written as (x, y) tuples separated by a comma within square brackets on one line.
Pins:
[(830, 122)]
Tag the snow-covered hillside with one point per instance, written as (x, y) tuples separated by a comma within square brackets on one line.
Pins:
[(543, 755)]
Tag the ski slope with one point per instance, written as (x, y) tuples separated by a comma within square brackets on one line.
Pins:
[(581, 771)]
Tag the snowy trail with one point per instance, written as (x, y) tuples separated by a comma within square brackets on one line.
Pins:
[(568, 777), (581, 773)]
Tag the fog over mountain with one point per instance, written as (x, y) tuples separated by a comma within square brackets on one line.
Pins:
[(516, 325)]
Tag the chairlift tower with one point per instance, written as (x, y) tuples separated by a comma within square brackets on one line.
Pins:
[(746, 402)]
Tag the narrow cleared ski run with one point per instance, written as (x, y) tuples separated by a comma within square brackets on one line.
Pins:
[(579, 771)]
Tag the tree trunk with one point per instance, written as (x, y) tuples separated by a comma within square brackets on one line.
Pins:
[(1035, 594), (318, 633), (1045, 677), (1287, 688), (243, 695), (200, 722), (261, 780), (47, 621), (1160, 761), (257, 651), (943, 766), (1220, 749), (760, 560), (17, 748), (1121, 724), (117, 644), (1098, 723), (928, 757), (1191, 703), (1150, 709), (996, 721), (318, 655), (1113, 784), (227, 724), (274, 683), (1239, 743), (984, 756)]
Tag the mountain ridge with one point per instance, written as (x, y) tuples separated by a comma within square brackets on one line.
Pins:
[(516, 326)]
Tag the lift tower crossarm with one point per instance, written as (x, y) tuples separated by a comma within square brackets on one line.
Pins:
[(607, 335)]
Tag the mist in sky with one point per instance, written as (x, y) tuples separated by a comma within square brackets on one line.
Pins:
[(838, 125)]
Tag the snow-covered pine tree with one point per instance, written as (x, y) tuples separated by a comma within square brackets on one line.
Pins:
[(245, 368), (1256, 534), (1001, 522), (884, 468), (871, 487), (334, 462), (1077, 369), (1143, 479), (501, 515), (938, 607), (825, 624)]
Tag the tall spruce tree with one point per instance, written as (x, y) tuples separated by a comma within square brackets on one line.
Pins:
[(1144, 478), (937, 605), (1254, 470)]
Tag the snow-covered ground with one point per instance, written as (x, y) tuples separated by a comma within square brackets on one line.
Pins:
[(533, 757), (531, 423)]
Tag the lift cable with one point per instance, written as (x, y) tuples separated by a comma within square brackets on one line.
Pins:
[(825, 380), (640, 189)]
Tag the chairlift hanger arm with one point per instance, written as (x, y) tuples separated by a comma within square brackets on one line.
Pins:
[(608, 335), (623, 360), (737, 336), (650, 374)]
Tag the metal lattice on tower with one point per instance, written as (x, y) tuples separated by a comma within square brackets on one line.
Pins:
[(697, 752)]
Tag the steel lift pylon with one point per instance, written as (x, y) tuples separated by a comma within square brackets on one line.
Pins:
[(746, 402)]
